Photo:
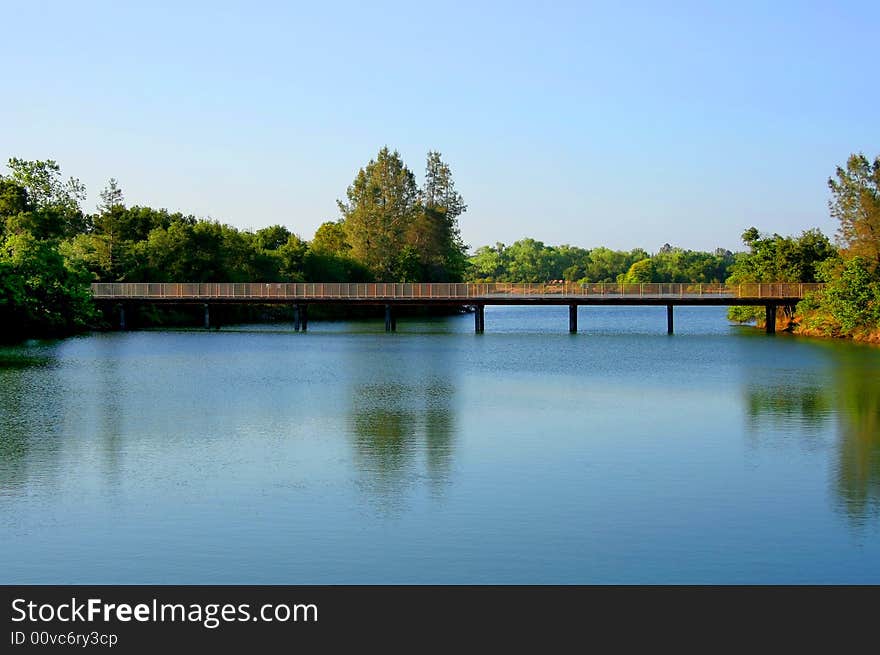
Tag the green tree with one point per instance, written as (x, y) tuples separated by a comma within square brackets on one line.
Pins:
[(640, 271), (529, 260), (775, 258), (488, 263), (855, 203), (852, 295), (382, 202), (107, 234), (56, 203), (292, 255), (433, 234), (272, 237), (330, 239), (40, 295)]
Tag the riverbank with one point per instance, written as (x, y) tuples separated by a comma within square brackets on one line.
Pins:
[(862, 336), (815, 325)]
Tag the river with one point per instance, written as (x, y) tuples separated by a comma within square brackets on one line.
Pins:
[(433, 455)]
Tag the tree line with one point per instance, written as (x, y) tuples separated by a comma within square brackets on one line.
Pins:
[(529, 260), (390, 228), (51, 249), (849, 304)]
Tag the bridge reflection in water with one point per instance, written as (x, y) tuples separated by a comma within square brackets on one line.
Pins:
[(475, 295)]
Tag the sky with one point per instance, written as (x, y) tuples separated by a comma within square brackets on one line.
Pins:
[(621, 124)]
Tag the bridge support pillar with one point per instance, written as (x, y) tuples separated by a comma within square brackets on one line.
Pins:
[(770, 322), (296, 318), (304, 318), (207, 317), (390, 320), (572, 319), (670, 321), (121, 317), (479, 319)]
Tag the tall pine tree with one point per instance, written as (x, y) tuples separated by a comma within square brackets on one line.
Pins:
[(381, 205)]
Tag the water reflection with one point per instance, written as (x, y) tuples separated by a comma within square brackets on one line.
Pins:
[(858, 471), (384, 425), (402, 418), (13, 437), (848, 407), (110, 385), (23, 379)]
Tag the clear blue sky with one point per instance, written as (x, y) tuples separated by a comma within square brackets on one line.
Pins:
[(583, 123)]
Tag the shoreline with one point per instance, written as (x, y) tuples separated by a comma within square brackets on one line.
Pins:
[(796, 328)]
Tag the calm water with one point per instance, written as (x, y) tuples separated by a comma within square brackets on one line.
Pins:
[(255, 455)]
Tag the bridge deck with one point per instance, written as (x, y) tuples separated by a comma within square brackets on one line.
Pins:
[(497, 293)]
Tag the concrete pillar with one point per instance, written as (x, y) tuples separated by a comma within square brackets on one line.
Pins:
[(296, 318), (388, 318), (304, 318), (573, 318), (771, 319), (121, 317), (207, 317), (670, 322), (479, 319)]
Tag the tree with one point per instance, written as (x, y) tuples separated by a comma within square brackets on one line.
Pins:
[(775, 258), (13, 201), (855, 203), (292, 255), (434, 234), (57, 210), (488, 264), (41, 293), (852, 295), (399, 231), (272, 237), (111, 196), (330, 239), (107, 228), (640, 271), (381, 205), (530, 261)]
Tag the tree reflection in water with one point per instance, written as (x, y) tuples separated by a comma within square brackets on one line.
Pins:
[(402, 416), (844, 412), (25, 389), (403, 433)]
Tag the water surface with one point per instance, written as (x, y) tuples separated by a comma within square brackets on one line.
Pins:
[(617, 455)]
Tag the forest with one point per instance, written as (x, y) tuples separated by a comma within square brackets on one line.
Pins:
[(391, 228)]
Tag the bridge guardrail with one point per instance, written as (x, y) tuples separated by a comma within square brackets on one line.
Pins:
[(441, 290)]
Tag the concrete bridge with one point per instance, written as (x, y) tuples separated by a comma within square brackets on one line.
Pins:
[(476, 295)]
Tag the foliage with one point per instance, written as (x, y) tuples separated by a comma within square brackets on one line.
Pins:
[(41, 293), (775, 258), (853, 295), (641, 271), (381, 204), (390, 229), (55, 204), (330, 239), (529, 260), (855, 204), (849, 305), (399, 231), (50, 249)]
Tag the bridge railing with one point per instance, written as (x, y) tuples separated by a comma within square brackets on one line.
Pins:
[(439, 290)]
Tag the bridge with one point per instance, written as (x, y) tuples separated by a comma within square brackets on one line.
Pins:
[(474, 295)]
